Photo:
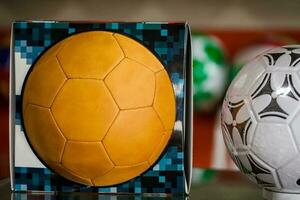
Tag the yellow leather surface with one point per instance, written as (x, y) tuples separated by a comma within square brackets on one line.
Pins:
[(136, 51), (90, 55), (89, 159), (51, 52), (45, 81), (98, 108), (118, 174), (84, 109), (45, 136), (124, 144), (131, 84), (61, 170), (164, 102), (160, 147)]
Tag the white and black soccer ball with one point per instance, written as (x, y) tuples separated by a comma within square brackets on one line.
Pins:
[(261, 119)]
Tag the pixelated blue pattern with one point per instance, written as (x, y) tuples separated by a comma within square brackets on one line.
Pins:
[(88, 196), (165, 177), (167, 42)]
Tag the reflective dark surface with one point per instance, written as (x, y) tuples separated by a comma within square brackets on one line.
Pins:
[(226, 186)]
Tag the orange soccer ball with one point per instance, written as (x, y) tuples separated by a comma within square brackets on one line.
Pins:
[(98, 108)]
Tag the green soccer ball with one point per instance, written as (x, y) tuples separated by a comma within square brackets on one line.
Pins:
[(203, 176), (209, 72)]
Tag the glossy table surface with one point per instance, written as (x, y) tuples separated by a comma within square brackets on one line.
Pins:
[(226, 186)]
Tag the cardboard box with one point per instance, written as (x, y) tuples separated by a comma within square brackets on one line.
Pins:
[(170, 42)]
